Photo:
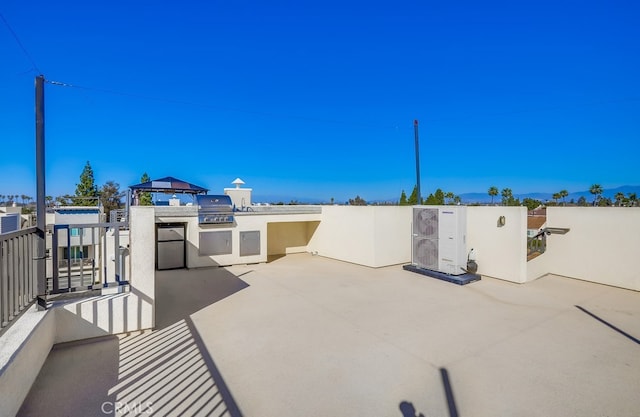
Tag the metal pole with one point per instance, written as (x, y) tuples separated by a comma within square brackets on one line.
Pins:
[(41, 274), (415, 130)]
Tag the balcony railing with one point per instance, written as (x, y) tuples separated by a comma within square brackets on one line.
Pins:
[(86, 267), (537, 245), (18, 285)]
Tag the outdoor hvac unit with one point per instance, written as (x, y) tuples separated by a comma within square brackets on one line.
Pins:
[(439, 238)]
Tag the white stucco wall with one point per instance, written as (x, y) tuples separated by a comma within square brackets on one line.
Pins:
[(373, 236), (602, 246), (240, 197), (122, 311), (501, 251), (23, 350)]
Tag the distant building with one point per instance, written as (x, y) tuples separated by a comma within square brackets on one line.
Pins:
[(9, 222)]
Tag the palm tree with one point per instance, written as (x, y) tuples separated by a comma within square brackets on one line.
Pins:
[(633, 199), (493, 191), (563, 194), (596, 190), (556, 197), (507, 195), (449, 195), (619, 197)]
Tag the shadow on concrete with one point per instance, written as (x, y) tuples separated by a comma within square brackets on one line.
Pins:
[(75, 380), (182, 292), (170, 372), (161, 372), (408, 410), (611, 326), (448, 392)]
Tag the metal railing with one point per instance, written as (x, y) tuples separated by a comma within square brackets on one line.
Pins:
[(18, 285), (86, 268), (119, 216), (537, 245)]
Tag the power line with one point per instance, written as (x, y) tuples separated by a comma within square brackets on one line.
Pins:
[(218, 107), (24, 50), (395, 127)]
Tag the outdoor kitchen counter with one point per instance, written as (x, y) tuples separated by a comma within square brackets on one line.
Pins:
[(252, 237)]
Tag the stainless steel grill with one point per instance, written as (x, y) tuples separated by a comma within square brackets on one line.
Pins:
[(214, 209)]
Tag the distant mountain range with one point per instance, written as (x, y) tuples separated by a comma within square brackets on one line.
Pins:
[(467, 198), (609, 193)]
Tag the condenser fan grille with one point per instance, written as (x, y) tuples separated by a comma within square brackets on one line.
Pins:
[(425, 222), (425, 253)]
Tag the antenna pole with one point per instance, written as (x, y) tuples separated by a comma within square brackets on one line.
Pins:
[(40, 196), (415, 130)]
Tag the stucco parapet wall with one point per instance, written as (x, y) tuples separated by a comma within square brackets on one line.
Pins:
[(280, 210), (174, 211), (192, 211)]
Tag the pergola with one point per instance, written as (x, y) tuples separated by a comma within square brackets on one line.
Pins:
[(167, 185)]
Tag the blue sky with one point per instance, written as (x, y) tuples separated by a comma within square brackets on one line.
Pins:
[(318, 100)]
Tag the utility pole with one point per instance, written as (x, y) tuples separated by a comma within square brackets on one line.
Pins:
[(41, 263), (415, 130)]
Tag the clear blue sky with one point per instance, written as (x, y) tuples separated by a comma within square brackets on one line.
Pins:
[(318, 100)]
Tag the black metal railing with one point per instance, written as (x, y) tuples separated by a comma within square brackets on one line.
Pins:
[(18, 285)]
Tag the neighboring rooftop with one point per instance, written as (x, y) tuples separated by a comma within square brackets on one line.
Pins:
[(310, 336), (535, 222)]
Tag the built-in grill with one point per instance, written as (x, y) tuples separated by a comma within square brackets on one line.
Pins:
[(214, 209)]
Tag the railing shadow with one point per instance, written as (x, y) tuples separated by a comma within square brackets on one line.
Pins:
[(181, 292)]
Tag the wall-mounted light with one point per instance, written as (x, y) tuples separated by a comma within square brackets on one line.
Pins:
[(501, 221)]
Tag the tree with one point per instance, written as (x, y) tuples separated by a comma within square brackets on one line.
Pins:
[(145, 198), (531, 203), (619, 198), (604, 202), (358, 201), (457, 200), (507, 196), (431, 200), (563, 194), (111, 197), (582, 202), (403, 199), (633, 199), (439, 197), (63, 200), (493, 191), (596, 190), (413, 198), (556, 197), (449, 196), (48, 201), (86, 190)]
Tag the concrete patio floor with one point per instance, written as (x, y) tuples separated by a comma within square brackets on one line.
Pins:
[(309, 336)]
